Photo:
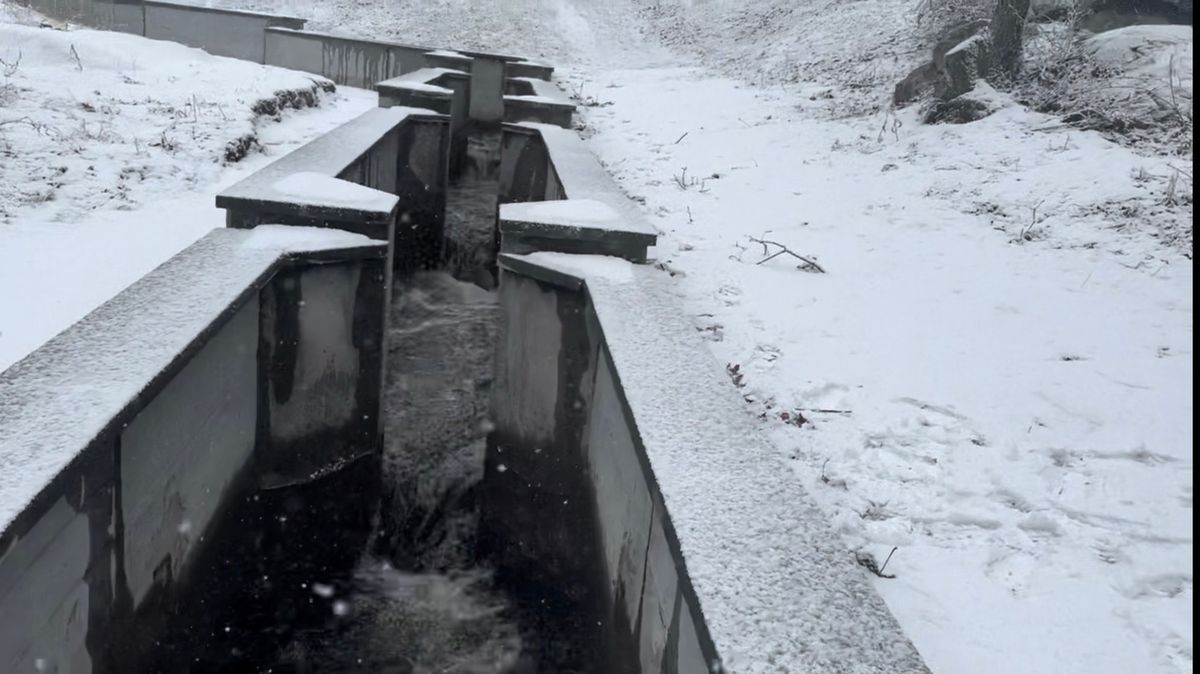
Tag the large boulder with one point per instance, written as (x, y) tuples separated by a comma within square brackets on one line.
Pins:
[(963, 65), (954, 64)]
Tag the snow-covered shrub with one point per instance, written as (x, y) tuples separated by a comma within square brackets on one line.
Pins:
[(1135, 82)]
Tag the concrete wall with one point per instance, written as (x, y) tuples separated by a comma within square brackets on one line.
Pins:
[(355, 63), (279, 41), (177, 465), (44, 595), (526, 172), (487, 89), (72, 11), (126, 16), (90, 568), (562, 424), (222, 32), (648, 592), (349, 61), (323, 362), (66, 580)]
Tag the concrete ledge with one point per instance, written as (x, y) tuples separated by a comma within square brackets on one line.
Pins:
[(529, 99), (431, 88), (717, 558), (317, 197), (402, 153), (446, 58), (569, 226), (533, 69), (265, 194), (548, 164)]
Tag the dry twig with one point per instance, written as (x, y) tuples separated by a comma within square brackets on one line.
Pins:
[(807, 264)]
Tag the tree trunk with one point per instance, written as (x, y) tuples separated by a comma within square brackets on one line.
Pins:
[(1008, 25)]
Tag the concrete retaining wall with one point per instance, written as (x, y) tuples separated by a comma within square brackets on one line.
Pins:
[(222, 32), (562, 425), (131, 431), (348, 61), (126, 16), (176, 466)]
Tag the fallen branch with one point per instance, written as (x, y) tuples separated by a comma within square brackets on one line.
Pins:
[(808, 265), (867, 561)]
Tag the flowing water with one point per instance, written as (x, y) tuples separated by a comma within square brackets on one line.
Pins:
[(376, 569)]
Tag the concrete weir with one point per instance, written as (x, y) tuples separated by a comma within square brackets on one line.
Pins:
[(422, 406)]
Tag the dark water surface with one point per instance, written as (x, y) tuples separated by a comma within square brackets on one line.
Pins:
[(377, 569)]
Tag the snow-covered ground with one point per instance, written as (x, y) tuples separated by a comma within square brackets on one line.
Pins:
[(109, 163), (995, 371), (1004, 397)]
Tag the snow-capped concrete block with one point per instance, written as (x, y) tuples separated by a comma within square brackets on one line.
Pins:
[(538, 109), (529, 99), (533, 69), (431, 88), (395, 158), (573, 172), (572, 226), (556, 196), (445, 58)]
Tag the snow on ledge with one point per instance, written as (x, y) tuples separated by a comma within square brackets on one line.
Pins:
[(421, 80), (595, 267), (581, 213), (540, 100), (318, 189), (288, 239)]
